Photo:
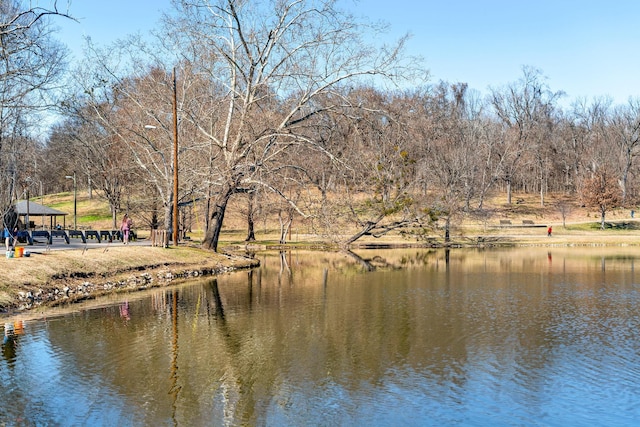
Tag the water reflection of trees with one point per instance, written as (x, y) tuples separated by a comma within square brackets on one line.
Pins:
[(236, 345)]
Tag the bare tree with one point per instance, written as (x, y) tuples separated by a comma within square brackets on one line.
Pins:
[(601, 190), (98, 157), (625, 126), (130, 98), (31, 63), (267, 63), (580, 136), (374, 188), (452, 158), (524, 108), (564, 207)]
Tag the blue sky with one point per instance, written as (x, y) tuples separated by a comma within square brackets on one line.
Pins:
[(107, 21), (586, 48)]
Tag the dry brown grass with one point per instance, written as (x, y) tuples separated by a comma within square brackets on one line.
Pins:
[(94, 213)]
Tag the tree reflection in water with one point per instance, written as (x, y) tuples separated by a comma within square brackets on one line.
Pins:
[(372, 337)]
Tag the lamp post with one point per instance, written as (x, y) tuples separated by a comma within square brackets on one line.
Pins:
[(75, 200)]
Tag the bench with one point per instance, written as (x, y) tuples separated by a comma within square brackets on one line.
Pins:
[(60, 233), (41, 233), (77, 234), (92, 234), (105, 235), (505, 222), (527, 222)]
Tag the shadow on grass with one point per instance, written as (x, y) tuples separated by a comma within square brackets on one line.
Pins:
[(623, 225), (618, 225)]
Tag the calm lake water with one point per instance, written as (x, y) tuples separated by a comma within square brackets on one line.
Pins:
[(527, 337)]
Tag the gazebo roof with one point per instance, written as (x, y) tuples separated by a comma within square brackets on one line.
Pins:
[(36, 209)]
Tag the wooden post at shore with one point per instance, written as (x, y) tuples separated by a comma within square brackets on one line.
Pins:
[(159, 238)]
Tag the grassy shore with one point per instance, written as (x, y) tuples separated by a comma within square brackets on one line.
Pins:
[(62, 276)]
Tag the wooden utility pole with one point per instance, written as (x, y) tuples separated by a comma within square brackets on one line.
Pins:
[(175, 160)]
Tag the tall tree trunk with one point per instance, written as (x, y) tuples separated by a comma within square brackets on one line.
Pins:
[(447, 230), (623, 182), (168, 216), (212, 236), (154, 216), (285, 226), (251, 236), (114, 217)]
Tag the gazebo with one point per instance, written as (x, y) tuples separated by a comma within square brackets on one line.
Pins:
[(28, 209)]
